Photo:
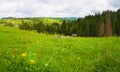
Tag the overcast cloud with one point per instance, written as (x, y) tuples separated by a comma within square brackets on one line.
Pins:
[(55, 8)]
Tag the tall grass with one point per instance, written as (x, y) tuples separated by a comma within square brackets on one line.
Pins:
[(24, 51)]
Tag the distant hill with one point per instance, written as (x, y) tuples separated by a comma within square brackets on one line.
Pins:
[(8, 18), (66, 18), (57, 18)]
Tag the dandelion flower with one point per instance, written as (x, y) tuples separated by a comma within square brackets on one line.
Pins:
[(23, 54), (32, 61)]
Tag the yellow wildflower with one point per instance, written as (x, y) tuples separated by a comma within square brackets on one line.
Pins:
[(23, 54), (32, 61)]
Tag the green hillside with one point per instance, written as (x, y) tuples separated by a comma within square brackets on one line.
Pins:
[(17, 21), (50, 21), (25, 51)]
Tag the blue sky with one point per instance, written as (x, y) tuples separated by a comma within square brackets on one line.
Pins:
[(55, 8)]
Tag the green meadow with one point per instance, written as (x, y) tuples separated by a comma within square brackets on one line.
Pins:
[(27, 51)]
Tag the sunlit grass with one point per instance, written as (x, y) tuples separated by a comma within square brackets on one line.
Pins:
[(25, 51)]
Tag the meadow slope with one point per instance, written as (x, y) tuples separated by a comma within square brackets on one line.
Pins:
[(25, 51)]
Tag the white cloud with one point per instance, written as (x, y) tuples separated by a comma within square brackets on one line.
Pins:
[(115, 3), (55, 8)]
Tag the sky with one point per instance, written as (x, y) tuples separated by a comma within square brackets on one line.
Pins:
[(55, 8)]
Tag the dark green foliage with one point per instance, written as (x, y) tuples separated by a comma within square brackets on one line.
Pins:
[(26, 26), (105, 24)]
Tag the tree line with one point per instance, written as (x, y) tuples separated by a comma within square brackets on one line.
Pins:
[(105, 24)]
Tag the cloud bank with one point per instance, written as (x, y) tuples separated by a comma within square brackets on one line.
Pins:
[(55, 8)]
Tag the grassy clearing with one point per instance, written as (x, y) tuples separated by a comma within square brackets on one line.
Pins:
[(24, 51), (19, 21)]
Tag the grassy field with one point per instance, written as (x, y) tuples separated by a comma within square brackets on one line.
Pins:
[(25, 51), (19, 21)]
